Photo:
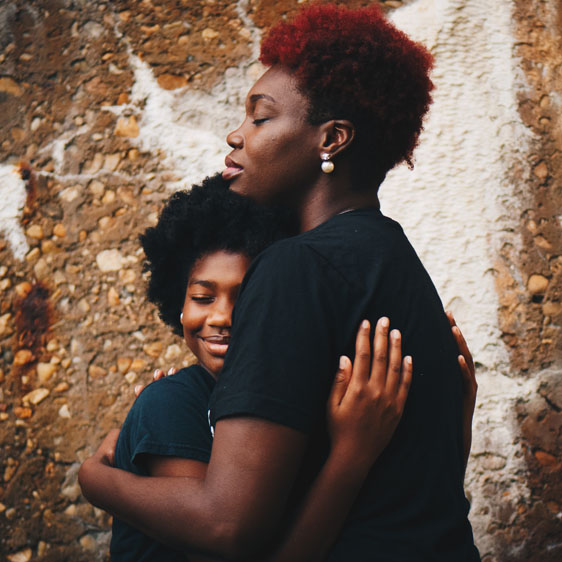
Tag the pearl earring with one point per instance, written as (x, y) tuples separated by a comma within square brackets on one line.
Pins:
[(181, 317), (327, 165)]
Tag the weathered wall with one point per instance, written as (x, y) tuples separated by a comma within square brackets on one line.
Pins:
[(114, 104)]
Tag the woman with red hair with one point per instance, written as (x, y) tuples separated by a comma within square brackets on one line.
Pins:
[(342, 102)]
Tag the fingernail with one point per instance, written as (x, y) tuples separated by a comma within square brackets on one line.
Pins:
[(395, 334), (171, 371), (137, 388), (408, 360), (342, 362), (365, 324), (155, 373), (385, 322)]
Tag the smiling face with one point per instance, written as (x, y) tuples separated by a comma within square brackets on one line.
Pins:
[(212, 289), (276, 152)]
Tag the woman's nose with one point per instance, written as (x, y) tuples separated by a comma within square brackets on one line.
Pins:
[(235, 138), (221, 315)]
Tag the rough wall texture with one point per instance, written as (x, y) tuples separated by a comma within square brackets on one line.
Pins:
[(113, 104)]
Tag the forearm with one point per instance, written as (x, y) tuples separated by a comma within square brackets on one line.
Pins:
[(157, 507), (231, 512), (323, 512)]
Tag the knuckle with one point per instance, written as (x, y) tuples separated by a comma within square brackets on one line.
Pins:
[(364, 355)]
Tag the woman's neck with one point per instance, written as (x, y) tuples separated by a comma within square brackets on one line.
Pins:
[(329, 199)]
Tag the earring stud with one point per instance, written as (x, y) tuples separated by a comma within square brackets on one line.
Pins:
[(327, 165), (181, 317)]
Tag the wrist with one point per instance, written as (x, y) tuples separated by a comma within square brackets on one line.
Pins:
[(347, 457)]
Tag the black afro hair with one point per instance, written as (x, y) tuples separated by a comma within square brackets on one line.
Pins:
[(207, 218)]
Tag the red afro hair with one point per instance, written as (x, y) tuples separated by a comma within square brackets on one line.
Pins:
[(354, 64)]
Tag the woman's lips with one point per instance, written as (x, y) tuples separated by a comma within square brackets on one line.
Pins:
[(216, 345), (232, 170)]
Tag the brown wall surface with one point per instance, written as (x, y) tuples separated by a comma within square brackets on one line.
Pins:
[(76, 333)]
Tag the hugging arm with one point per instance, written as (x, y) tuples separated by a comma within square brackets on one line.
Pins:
[(231, 512), (363, 397)]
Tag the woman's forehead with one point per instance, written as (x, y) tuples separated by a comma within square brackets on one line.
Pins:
[(275, 83)]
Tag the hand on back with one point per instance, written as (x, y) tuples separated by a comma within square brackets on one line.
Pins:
[(368, 396)]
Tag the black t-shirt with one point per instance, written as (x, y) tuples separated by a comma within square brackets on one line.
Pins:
[(169, 418), (298, 311)]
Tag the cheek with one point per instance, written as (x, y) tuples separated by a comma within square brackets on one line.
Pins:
[(193, 319)]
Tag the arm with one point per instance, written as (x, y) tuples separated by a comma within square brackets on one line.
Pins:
[(364, 408), (470, 386), (231, 512)]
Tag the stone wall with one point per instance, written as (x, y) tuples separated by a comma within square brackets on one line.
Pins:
[(105, 107)]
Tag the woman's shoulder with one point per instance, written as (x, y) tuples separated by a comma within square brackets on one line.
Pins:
[(189, 385)]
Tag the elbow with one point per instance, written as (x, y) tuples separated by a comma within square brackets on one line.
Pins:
[(237, 541), (83, 479)]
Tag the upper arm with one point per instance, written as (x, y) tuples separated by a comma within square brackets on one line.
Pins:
[(251, 472), (158, 465)]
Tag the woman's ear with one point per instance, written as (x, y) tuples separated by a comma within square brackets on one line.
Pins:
[(338, 134)]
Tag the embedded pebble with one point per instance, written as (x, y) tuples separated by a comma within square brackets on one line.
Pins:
[(123, 364), (45, 371), (22, 357), (59, 230), (537, 284), (113, 297), (88, 542), (36, 396), (21, 556), (35, 231), (153, 349), (109, 260), (96, 372), (127, 127)]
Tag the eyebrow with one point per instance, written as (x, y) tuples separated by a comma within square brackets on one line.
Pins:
[(203, 283), (255, 97)]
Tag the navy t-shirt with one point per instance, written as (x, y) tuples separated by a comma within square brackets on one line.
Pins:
[(169, 418), (298, 310)]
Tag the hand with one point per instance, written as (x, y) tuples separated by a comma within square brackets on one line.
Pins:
[(106, 451), (158, 374), (469, 385), (368, 398)]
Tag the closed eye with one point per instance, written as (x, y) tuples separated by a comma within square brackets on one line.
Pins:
[(260, 121), (203, 299)]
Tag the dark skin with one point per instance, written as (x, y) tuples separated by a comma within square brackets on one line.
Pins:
[(236, 509)]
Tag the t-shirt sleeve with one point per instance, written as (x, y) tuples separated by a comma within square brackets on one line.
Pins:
[(286, 332), (170, 418)]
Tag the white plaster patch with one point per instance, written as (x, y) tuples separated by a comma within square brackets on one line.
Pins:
[(13, 196), (458, 200), (188, 127), (459, 203)]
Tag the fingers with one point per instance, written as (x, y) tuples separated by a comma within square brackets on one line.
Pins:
[(138, 389), (470, 386), (160, 374), (393, 371), (451, 318), (405, 382), (106, 450), (380, 353), (461, 342), (362, 362), (341, 382), (463, 348)]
